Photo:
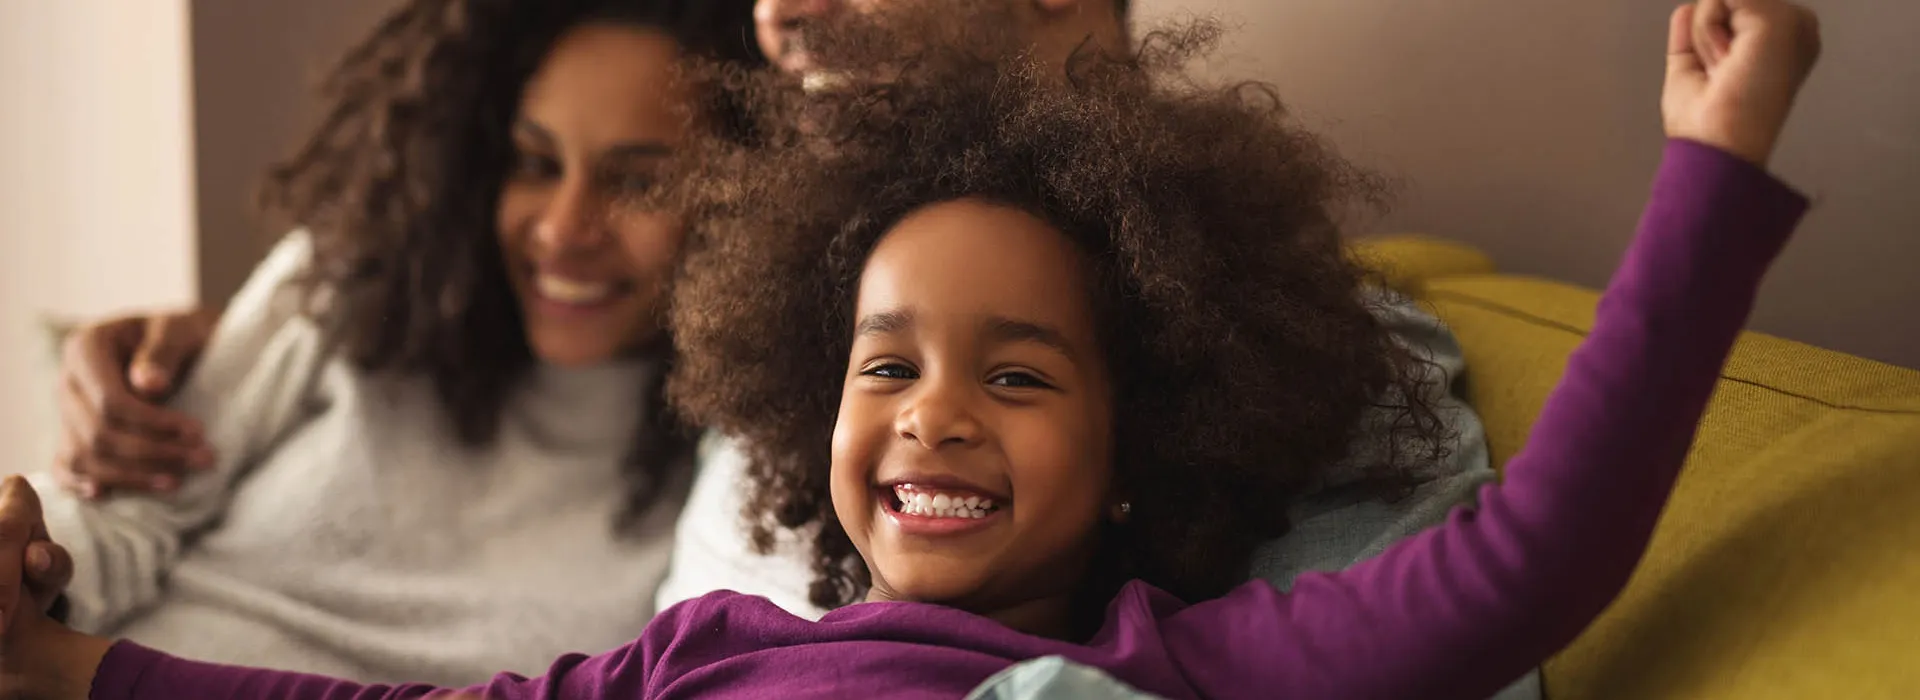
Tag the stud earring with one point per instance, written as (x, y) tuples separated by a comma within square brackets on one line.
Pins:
[(1126, 507)]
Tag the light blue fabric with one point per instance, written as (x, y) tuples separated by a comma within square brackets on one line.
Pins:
[(1340, 526), (1336, 527), (1054, 678)]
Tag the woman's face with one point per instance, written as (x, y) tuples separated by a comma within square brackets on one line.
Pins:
[(594, 125), (972, 459)]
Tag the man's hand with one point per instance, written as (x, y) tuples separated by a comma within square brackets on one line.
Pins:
[(39, 658), (1733, 70), (114, 374)]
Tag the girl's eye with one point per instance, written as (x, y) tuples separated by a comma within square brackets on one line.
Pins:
[(891, 370), (1018, 380)]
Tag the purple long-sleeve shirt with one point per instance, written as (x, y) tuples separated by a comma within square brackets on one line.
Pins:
[(1457, 611)]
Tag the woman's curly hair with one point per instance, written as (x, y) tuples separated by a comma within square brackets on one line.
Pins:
[(398, 188), (1244, 353)]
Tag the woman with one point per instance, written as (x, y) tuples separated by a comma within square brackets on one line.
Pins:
[(439, 446)]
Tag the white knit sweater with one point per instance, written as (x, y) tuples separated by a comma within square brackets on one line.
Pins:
[(345, 531)]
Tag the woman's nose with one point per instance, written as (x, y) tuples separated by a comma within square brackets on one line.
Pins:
[(572, 219)]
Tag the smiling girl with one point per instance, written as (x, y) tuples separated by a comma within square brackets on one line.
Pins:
[(1002, 354)]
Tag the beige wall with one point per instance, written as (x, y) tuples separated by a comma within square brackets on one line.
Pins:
[(96, 184), (133, 133), (255, 63), (1532, 129)]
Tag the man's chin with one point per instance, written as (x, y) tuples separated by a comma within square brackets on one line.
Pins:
[(819, 81), (794, 62)]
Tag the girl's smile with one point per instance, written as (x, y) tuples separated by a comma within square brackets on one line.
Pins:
[(971, 454), (933, 505)]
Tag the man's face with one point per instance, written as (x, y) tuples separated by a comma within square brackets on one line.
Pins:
[(781, 26)]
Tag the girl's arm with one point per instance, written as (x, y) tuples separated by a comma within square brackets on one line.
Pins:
[(1460, 610), (130, 672), (46, 660), (1463, 609)]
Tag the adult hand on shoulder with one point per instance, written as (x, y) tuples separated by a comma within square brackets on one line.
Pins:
[(114, 375), (1733, 69), (39, 658)]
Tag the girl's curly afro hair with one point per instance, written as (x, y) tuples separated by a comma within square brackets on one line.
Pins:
[(1244, 354)]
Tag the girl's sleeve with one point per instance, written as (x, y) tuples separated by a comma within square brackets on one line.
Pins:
[(131, 671), (248, 388), (1462, 609)]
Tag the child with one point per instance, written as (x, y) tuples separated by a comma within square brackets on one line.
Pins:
[(1030, 316)]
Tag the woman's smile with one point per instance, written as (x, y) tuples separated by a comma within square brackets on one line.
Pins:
[(557, 293)]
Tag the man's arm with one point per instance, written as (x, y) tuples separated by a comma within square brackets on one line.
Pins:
[(712, 550), (249, 386)]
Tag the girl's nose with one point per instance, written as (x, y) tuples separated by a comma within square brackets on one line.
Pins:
[(936, 417)]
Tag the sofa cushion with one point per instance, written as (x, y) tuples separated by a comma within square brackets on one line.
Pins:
[(1787, 564), (1405, 262)]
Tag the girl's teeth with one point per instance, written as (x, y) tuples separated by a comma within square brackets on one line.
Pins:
[(941, 505)]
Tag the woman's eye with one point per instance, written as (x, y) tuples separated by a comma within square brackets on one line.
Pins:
[(1019, 380), (892, 370), (527, 165), (634, 183)]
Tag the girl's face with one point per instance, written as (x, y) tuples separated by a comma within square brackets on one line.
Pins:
[(971, 458), (594, 125)]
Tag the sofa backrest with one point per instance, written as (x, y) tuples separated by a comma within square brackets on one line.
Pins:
[(1787, 564)]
